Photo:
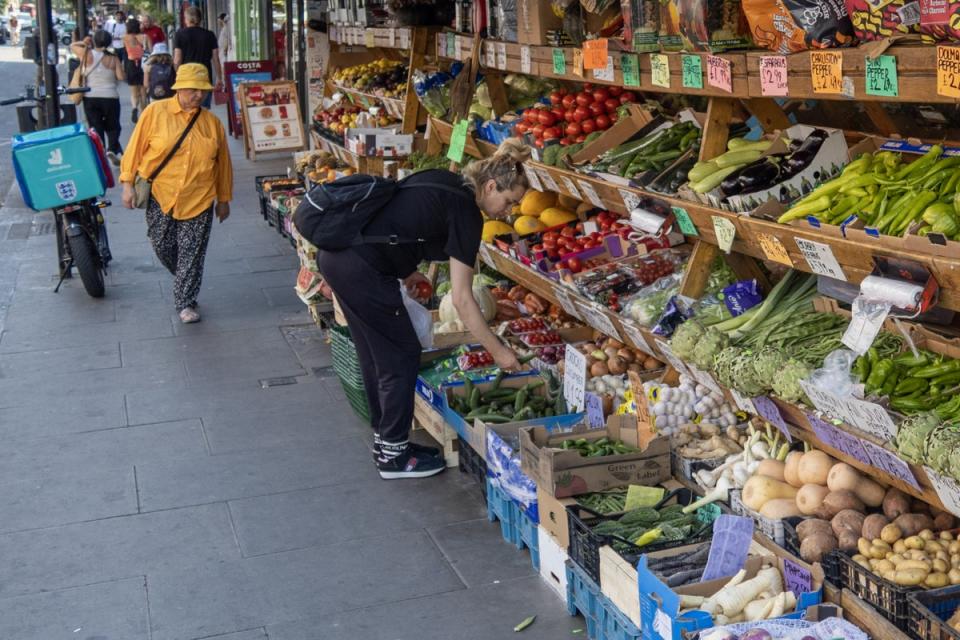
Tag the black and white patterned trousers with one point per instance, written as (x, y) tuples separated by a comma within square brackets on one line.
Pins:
[(181, 246)]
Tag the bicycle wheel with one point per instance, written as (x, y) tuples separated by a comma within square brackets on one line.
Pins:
[(87, 262)]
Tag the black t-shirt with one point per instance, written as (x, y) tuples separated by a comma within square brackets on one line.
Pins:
[(451, 223), (197, 45)]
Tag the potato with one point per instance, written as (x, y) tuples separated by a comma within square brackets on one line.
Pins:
[(942, 555), (884, 565), (896, 558), (847, 520), (916, 554), (940, 566), (954, 546), (837, 501), (878, 552), (913, 523), (899, 546), (862, 561), (873, 525), (909, 577), (946, 536), (933, 546), (863, 546), (955, 559), (954, 576), (914, 564), (847, 541), (944, 520), (926, 534), (811, 526), (895, 503), (891, 533), (888, 575), (936, 580), (813, 548)]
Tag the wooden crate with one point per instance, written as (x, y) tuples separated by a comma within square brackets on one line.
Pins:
[(430, 420)]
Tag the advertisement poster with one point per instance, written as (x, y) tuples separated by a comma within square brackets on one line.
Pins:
[(244, 71), (271, 116)]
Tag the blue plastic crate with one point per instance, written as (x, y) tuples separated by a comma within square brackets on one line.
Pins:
[(583, 597), (56, 167), (614, 624), (500, 507), (528, 535)]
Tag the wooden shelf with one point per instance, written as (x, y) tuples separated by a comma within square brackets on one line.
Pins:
[(393, 106), (372, 37)]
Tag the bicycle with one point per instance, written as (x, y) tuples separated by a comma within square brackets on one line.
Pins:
[(80, 229)]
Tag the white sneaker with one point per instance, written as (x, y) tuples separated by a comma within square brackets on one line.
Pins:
[(113, 158), (189, 316)]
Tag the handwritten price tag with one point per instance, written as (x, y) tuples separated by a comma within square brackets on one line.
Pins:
[(587, 189), (574, 378), (826, 71), (570, 187), (594, 408), (526, 63), (490, 55), (947, 489), (547, 180), (630, 66), (948, 71), (769, 411), (773, 76), (636, 338), (369, 39), (559, 62), (773, 249), (672, 358), (797, 579), (566, 302), (630, 200), (502, 55), (532, 178), (660, 70), (839, 440), (891, 463), (866, 416), (725, 231), (881, 76), (705, 379), (605, 73), (691, 68), (578, 62), (595, 54), (719, 73), (820, 258), (458, 140), (743, 403), (599, 320)]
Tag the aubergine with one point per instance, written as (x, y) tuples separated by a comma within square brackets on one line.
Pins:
[(755, 176), (805, 153)]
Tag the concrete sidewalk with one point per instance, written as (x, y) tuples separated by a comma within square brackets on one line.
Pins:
[(154, 485)]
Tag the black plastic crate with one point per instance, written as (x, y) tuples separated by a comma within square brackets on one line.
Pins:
[(791, 542), (472, 464), (264, 198), (686, 467), (890, 600), (929, 612), (585, 543)]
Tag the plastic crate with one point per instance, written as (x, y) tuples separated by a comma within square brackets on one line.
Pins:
[(357, 398), (686, 467), (890, 600), (528, 536), (791, 542), (264, 198), (614, 625), (345, 362), (929, 611), (585, 544), (500, 507), (583, 597), (472, 464), (771, 528)]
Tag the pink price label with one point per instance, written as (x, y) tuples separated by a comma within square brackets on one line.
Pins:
[(839, 440), (773, 75), (770, 412), (719, 73), (891, 463)]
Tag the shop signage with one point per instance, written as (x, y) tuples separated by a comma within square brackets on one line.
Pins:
[(271, 117), (244, 71)]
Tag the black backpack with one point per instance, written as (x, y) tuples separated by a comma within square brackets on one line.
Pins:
[(160, 82), (332, 216)]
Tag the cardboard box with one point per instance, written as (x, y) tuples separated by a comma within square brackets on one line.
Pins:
[(553, 516), (503, 467), (553, 560), (534, 19), (382, 143), (565, 473)]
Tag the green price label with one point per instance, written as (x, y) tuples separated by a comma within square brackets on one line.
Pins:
[(451, 45), (458, 140), (692, 67), (630, 65), (881, 76), (559, 62), (684, 222)]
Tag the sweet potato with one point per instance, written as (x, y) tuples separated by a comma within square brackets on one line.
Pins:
[(943, 520), (811, 526), (895, 503), (848, 520), (913, 523), (837, 501), (919, 506), (873, 525), (813, 548)]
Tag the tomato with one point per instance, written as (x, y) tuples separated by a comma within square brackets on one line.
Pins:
[(597, 109), (556, 97), (628, 96), (596, 236), (568, 115), (603, 122), (550, 244), (579, 227), (604, 226), (551, 132), (580, 114), (553, 254), (603, 216), (546, 118), (575, 265), (584, 98), (588, 86), (568, 232), (600, 94), (615, 91), (530, 115), (573, 129), (581, 137), (589, 244), (551, 235), (422, 290), (537, 131), (558, 113), (588, 126), (569, 100), (521, 128), (612, 104), (613, 117), (565, 142), (538, 248)]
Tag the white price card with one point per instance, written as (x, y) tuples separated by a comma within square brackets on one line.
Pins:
[(566, 302), (591, 194), (526, 64), (820, 258), (574, 378), (636, 337), (485, 255), (547, 180), (743, 403), (490, 57), (947, 488), (663, 625), (672, 358), (570, 187), (532, 178), (502, 55), (630, 200), (597, 318), (606, 74), (864, 326), (705, 379), (866, 416), (725, 231), (405, 38)]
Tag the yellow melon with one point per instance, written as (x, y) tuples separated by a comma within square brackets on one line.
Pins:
[(525, 225), (568, 202), (492, 228), (555, 215), (534, 202)]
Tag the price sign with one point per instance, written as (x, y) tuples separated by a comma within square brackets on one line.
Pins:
[(532, 178), (891, 463), (485, 255), (570, 187), (559, 62), (630, 200), (863, 328), (369, 39), (578, 62), (490, 52), (796, 578), (773, 75), (947, 489), (599, 320), (839, 440), (525, 62), (672, 358), (686, 225), (909, 13), (405, 39), (948, 71), (502, 55), (593, 404), (566, 302), (820, 258), (636, 337), (630, 66), (881, 76), (691, 68), (729, 547), (725, 231), (719, 73), (773, 249), (452, 45), (826, 71), (605, 73), (392, 37), (595, 54), (547, 180), (769, 411), (587, 189), (866, 416), (743, 403), (458, 140), (705, 379), (660, 70), (574, 378)]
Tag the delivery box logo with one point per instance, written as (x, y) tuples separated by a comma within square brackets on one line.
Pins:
[(56, 157)]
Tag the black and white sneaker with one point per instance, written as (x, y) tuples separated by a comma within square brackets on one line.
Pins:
[(419, 449), (410, 465)]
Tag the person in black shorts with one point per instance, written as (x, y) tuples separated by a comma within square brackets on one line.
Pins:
[(365, 280)]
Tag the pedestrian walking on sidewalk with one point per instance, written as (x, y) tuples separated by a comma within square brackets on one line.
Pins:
[(444, 223), (181, 149), (102, 73), (135, 44), (193, 43)]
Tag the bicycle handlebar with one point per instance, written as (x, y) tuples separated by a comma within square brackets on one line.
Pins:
[(39, 99)]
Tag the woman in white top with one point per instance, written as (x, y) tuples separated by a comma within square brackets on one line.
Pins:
[(102, 72)]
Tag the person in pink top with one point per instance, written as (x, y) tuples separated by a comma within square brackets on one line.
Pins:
[(135, 44)]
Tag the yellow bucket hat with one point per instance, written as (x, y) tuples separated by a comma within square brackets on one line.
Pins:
[(193, 76)]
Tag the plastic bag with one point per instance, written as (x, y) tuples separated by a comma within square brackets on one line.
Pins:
[(641, 24), (669, 28), (713, 25), (787, 26), (420, 317), (940, 19), (895, 18), (792, 629), (834, 376)]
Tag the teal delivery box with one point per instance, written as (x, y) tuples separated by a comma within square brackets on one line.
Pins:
[(56, 167)]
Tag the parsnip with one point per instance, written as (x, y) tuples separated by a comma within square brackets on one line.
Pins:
[(731, 600)]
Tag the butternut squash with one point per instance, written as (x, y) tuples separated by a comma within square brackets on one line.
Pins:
[(780, 508), (791, 467), (814, 467), (843, 476), (771, 468), (758, 490), (810, 497)]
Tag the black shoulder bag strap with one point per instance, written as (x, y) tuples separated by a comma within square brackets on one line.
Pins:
[(183, 136), (394, 239)]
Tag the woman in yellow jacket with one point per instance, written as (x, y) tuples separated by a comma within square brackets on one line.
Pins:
[(193, 186)]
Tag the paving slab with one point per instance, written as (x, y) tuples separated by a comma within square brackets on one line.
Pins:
[(478, 553), (30, 416)]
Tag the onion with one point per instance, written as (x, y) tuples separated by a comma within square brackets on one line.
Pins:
[(627, 355), (615, 344), (616, 366), (651, 363), (599, 355), (635, 367), (599, 369), (611, 353)]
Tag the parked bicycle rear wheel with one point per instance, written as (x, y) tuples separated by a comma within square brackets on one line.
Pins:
[(87, 262)]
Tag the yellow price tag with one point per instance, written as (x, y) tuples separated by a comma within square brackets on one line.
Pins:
[(948, 71), (826, 71), (725, 231), (369, 40), (660, 70), (578, 62), (774, 249), (638, 496)]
